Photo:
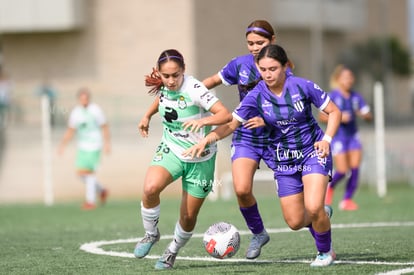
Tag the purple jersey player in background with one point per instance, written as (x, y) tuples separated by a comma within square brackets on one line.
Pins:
[(301, 149), (346, 145), (249, 146)]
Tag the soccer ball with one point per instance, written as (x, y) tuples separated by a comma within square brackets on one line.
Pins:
[(222, 240)]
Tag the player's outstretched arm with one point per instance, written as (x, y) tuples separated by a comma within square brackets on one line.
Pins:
[(212, 81), (219, 133), (220, 116), (143, 125)]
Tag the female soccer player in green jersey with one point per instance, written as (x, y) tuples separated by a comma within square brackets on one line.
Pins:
[(188, 110)]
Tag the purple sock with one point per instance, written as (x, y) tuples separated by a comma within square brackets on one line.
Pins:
[(352, 184), (336, 178), (252, 217), (323, 241), (311, 230)]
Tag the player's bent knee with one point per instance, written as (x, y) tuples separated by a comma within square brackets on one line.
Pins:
[(294, 224), (188, 222), (151, 190), (244, 195)]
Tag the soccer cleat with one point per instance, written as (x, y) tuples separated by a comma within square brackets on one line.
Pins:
[(329, 195), (256, 243), (328, 211), (103, 196), (324, 259), (144, 246), (348, 205), (88, 206), (166, 261)]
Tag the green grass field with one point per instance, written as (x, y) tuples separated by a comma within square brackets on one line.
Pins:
[(36, 239)]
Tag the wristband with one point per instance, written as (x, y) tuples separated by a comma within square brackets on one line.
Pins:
[(327, 138)]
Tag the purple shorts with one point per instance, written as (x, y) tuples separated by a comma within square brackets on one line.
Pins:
[(289, 176), (255, 153), (345, 144)]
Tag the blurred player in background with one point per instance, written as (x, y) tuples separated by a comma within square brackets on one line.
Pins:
[(188, 112), (249, 146), (346, 144), (88, 122), (301, 149)]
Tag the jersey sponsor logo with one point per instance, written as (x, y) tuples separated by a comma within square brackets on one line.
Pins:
[(83, 125), (286, 121), (179, 135), (266, 104), (299, 106), (286, 153), (208, 95), (170, 114), (209, 99)]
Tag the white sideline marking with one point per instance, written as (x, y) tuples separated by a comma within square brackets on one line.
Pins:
[(95, 248), (398, 271)]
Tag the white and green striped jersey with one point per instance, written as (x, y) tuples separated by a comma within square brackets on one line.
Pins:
[(88, 122), (191, 102)]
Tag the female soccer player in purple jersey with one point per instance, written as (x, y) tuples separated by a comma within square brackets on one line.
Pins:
[(249, 146), (301, 149), (346, 145)]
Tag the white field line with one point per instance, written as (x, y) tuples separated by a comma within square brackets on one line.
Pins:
[(95, 248), (398, 271)]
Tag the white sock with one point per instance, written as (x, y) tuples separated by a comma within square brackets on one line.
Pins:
[(181, 237), (90, 184), (150, 217)]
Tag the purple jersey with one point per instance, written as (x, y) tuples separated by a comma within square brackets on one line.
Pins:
[(294, 129), (242, 71), (355, 102)]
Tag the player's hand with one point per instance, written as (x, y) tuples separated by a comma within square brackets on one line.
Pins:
[(254, 122), (196, 150), (143, 126), (322, 148), (193, 125)]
